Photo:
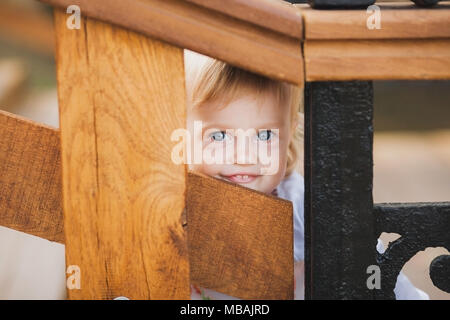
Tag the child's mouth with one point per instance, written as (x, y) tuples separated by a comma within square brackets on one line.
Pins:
[(241, 178)]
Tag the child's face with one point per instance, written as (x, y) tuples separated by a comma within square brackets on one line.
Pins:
[(245, 113)]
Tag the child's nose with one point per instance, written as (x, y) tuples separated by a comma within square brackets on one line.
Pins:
[(246, 153)]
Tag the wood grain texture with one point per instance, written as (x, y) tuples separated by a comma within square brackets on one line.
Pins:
[(398, 21), (186, 25), (377, 59), (30, 178), (240, 241), (120, 96), (276, 15)]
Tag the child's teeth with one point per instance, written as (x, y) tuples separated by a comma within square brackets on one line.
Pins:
[(239, 176), (245, 177)]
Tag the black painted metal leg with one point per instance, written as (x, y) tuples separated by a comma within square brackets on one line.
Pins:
[(340, 240), (330, 4), (425, 3), (325, 4)]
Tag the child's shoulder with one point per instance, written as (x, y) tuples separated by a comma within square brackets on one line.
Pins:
[(292, 187)]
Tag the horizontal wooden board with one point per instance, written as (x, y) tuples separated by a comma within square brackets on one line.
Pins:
[(328, 60), (240, 241), (185, 24), (276, 15), (30, 178), (33, 205), (398, 21)]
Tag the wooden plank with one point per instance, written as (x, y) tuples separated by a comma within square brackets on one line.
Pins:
[(121, 95), (268, 254), (240, 240), (276, 15), (30, 156), (398, 21), (377, 59), (30, 178), (186, 25)]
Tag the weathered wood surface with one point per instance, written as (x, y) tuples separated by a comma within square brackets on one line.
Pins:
[(243, 43), (30, 178), (121, 95), (240, 240)]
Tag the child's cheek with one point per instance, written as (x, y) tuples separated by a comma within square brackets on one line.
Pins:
[(218, 153), (269, 158), (211, 170), (269, 183), (229, 155)]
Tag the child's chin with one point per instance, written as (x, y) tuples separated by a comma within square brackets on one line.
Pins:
[(254, 185), (257, 187), (251, 185)]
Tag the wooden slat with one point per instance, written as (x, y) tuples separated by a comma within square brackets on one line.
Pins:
[(31, 202), (398, 21), (265, 221), (240, 240), (377, 59), (276, 15), (30, 178), (120, 96), (187, 25)]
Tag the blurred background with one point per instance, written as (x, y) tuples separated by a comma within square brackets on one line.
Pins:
[(411, 148)]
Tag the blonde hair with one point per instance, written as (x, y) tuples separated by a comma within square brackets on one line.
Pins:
[(211, 80)]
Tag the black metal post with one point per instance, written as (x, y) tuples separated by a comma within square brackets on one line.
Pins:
[(340, 240), (331, 4)]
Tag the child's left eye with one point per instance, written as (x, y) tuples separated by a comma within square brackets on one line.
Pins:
[(264, 135)]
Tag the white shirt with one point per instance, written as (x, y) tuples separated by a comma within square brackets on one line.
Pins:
[(292, 189)]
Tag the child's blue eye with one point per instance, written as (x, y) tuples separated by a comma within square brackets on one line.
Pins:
[(218, 135), (265, 135)]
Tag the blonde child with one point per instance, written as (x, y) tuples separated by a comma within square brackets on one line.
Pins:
[(224, 97)]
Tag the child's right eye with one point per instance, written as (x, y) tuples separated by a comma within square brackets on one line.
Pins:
[(218, 136)]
